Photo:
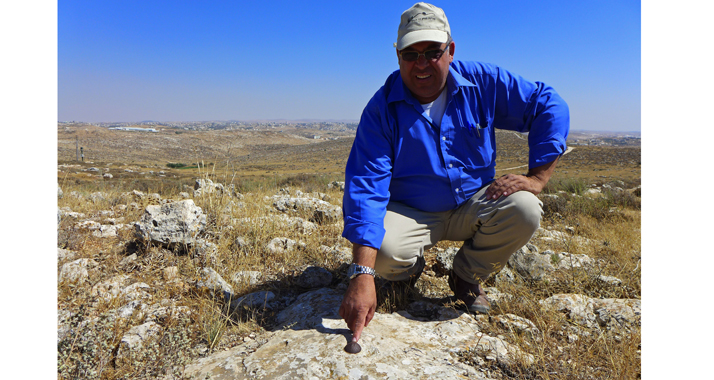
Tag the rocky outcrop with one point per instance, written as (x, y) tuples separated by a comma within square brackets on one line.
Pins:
[(205, 186), (76, 271), (310, 341), (535, 266), (336, 185), (321, 212), (171, 224), (609, 314)]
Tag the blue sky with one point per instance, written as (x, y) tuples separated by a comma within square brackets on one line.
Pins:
[(230, 60)]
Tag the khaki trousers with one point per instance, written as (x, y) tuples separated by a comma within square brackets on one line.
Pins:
[(492, 230)]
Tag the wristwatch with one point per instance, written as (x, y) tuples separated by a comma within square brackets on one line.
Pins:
[(355, 270)]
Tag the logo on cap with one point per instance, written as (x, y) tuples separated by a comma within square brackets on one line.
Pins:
[(425, 17)]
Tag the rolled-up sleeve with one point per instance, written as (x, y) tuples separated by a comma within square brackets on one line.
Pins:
[(367, 177), (536, 108)]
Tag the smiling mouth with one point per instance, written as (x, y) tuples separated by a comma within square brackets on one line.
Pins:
[(423, 76)]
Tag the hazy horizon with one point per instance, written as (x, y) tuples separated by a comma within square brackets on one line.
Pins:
[(200, 61)]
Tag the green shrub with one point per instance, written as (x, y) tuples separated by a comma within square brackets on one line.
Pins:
[(569, 185)]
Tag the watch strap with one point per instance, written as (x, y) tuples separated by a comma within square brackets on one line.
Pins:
[(356, 269)]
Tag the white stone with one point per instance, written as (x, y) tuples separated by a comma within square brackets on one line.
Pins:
[(76, 270), (247, 277), (134, 339), (171, 223), (211, 280)]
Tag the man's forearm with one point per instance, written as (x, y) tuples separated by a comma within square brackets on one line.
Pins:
[(543, 173), (364, 255)]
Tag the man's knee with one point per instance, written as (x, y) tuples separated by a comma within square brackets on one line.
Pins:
[(528, 209), (520, 214), (396, 263)]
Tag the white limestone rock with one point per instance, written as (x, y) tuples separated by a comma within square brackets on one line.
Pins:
[(531, 265), (212, 281), (76, 271), (134, 339), (171, 223), (282, 244), (247, 277), (310, 341), (322, 212), (592, 313)]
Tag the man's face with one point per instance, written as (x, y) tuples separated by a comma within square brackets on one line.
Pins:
[(425, 78)]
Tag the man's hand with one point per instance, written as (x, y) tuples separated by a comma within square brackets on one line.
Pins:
[(360, 300), (510, 183), (359, 304), (534, 182)]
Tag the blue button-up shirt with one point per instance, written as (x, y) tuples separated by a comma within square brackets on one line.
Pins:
[(400, 155)]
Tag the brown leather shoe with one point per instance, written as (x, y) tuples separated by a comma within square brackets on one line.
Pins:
[(472, 295)]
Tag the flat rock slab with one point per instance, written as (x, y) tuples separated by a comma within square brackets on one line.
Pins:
[(394, 346)]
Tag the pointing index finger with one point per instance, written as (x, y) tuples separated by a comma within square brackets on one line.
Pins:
[(359, 325)]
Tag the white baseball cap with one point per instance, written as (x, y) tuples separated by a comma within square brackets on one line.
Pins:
[(422, 22)]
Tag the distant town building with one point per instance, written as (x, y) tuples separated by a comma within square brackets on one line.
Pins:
[(134, 129)]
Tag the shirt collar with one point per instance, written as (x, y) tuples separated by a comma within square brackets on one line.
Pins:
[(400, 92)]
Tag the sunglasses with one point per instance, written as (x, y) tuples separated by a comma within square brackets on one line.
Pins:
[(429, 55)]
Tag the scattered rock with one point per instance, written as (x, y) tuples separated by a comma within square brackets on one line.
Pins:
[(247, 277), (170, 273), (609, 280), (314, 277), (531, 265), (444, 261), (340, 254), (134, 339), (129, 263), (280, 245), (211, 280), (65, 254), (76, 271), (565, 260), (505, 275), (171, 224), (322, 212), (559, 236), (203, 187), (595, 313), (254, 300), (336, 185), (517, 324)]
